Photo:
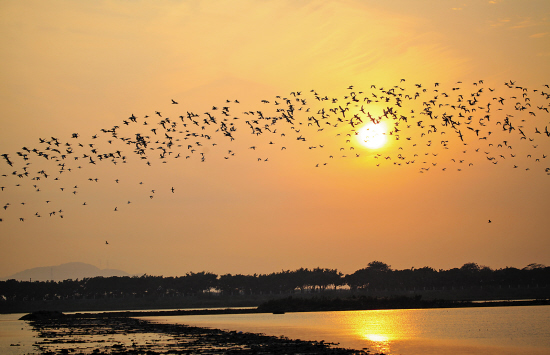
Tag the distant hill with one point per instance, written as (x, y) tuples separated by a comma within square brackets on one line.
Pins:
[(62, 272)]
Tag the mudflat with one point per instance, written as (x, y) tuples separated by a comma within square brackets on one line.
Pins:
[(62, 334)]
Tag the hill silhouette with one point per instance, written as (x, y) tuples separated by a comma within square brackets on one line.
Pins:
[(74, 270)]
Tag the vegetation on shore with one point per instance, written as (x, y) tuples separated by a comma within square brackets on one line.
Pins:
[(469, 282), (318, 304), (315, 304)]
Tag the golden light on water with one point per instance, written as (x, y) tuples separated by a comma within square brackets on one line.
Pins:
[(373, 135), (378, 330), (378, 338), (382, 325)]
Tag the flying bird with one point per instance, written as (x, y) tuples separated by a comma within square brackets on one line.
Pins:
[(403, 105)]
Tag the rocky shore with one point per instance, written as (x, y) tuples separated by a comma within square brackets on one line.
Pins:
[(70, 334)]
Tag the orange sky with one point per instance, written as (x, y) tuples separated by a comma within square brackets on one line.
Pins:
[(79, 66)]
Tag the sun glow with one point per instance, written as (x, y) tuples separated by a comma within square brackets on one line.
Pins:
[(377, 337), (373, 135)]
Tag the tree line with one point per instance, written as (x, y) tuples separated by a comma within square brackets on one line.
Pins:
[(376, 276)]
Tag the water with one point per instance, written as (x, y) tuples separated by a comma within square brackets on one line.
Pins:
[(488, 330), (16, 336), (484, 330)]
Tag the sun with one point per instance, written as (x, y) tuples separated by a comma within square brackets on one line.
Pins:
[(373, 135)]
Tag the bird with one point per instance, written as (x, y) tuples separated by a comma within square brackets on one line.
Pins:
[(446, 110)]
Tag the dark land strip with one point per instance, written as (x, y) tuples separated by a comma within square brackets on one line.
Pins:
[(207, 300), (312, 304)]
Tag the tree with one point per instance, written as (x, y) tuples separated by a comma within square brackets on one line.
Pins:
[(376, 275), (379, 266)]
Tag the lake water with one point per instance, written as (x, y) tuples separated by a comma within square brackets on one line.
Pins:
[(488, 330)]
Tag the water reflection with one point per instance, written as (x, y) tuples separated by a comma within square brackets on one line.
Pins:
[(494, 330), (378, 329), (379, 343), (379, 338)]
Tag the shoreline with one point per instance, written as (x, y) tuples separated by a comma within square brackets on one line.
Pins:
[(127, 332), (278, 309)]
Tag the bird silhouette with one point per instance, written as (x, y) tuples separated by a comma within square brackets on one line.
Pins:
[(520, 114)]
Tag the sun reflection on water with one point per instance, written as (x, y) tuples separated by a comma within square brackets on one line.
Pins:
[(376, 337), (380, 329), (379, 343)]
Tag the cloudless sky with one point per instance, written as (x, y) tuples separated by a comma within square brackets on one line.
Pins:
[(80, 66)]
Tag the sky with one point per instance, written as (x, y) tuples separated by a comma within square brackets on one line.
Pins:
[(79, 66)]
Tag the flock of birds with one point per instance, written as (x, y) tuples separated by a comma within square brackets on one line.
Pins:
[(427, 127)]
